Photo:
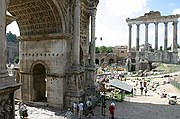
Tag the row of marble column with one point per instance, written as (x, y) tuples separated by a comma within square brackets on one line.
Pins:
[(76, 36), (156, 36)]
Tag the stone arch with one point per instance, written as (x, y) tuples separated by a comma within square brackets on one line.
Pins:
[(40, 62), (102, 60), (111, 61), (37, 17), (39, 71), (97, 61)]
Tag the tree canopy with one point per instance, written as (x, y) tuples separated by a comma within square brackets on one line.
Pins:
[(104, 49), (11, 37)]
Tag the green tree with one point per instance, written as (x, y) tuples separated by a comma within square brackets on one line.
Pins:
[(109, 50), (97, 50), (102, 49), (11, 37), (16, 59)]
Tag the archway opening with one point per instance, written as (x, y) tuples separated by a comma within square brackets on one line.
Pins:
[(39, 77), (97, 61), (111, 61)]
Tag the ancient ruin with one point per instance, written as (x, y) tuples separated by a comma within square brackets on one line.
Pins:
[(7, 83), (57, 50), (141, 60)]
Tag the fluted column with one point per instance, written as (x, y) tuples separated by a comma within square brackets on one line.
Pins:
[(130, 35), (2, 38), (76, 36), (175, 35), (93, 38), (156, 36), (87, 41), (137, 38), (146, 37), (165, 35)]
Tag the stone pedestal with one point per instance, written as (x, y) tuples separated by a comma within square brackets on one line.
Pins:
[(74, 86), (7, 89)]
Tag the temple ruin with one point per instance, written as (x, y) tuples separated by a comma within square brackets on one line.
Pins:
[(57, 50), (141, 60)]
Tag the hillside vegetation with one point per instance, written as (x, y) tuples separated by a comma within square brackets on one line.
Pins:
[(168, 68)]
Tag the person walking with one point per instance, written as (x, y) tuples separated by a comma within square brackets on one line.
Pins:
[(112, 110), (24, 111), (103, 107), (89, 105), (20, 110), (69, 114), (75, 108), (81, 108)]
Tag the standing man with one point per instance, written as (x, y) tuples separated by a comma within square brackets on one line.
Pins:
[(81, 108), (75, 109), (103, 107), (89, 104), (112, 110)]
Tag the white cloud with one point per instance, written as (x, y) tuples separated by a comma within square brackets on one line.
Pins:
[(176, 11), (125, 8), (111, 22)]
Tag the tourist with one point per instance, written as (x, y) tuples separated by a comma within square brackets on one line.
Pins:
[(69, 114), (134, 91), (112, 110), (20, 110), (145, 91), (24, 111), (89, 104), (145, 83), (75, 108), (103, 107), (141, 90), (81, 108)]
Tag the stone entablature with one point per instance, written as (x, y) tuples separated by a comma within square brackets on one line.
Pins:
[(153, 17)]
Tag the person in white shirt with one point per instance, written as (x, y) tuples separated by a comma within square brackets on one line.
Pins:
[(81, 108), (75, 109), (89, 104)]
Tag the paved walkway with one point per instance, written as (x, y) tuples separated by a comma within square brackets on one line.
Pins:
[(138, 107)]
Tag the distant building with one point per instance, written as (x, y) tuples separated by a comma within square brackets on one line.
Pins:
[(121, 52), (118, 56), (12, 51)]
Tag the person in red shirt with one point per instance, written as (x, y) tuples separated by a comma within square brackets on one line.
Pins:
[(112, 110)]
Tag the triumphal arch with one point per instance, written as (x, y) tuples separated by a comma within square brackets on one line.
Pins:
[(57, 49), (142, 59)]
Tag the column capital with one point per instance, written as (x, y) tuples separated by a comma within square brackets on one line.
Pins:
[(156, 23), (175, 22), (165, 23), (130, 26), (138, 25)]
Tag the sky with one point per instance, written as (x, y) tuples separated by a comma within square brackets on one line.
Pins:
[(111, 21)]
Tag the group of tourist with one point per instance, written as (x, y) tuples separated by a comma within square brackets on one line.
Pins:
[(143, 87), (78, 109)]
